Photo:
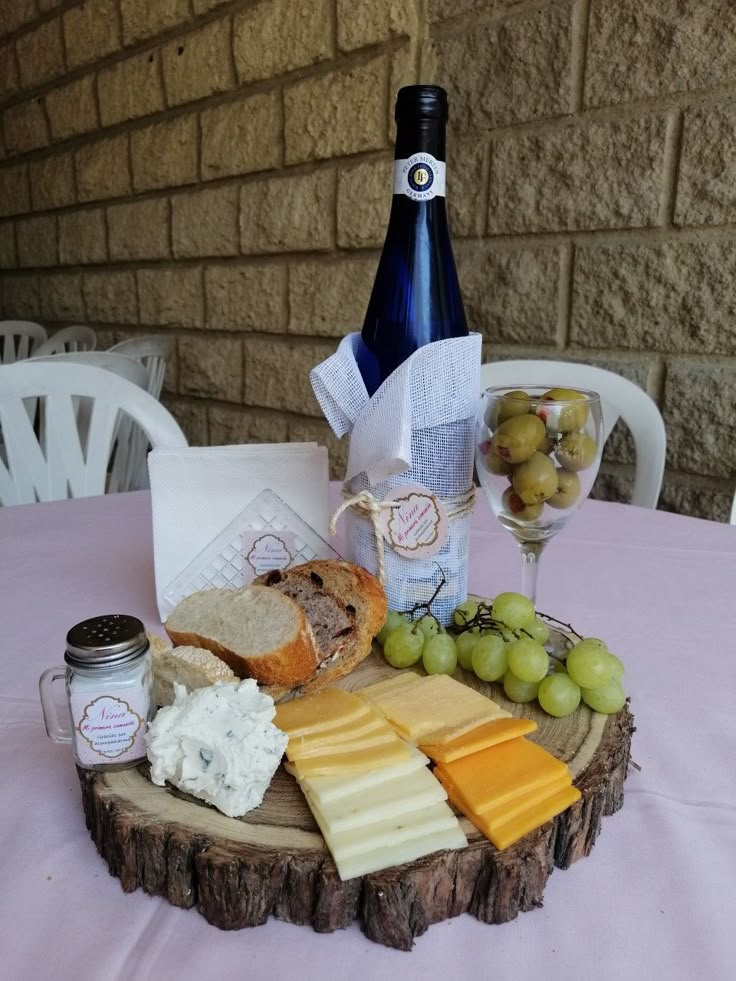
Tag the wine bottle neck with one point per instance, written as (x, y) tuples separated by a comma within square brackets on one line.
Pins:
[(420, 134)]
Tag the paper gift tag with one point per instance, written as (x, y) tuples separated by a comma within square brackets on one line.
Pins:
[(417, 527)]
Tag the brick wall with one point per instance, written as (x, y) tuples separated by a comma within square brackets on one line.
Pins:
[(220, 170)]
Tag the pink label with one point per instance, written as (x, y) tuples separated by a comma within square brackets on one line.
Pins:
[(418, 527), (109, 729), (265, 551)]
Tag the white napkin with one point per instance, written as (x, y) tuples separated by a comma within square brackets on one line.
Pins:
[(197, 491)]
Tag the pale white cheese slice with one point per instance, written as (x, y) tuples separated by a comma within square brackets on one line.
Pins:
[(407, 851), (390, 831)]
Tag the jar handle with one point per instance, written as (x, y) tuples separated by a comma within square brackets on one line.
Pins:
[(54, 728)]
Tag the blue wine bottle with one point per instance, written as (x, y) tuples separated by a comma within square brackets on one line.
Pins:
[(416, 297)]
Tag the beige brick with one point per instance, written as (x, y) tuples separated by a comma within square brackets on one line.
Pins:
[(211, 369), (329, 298), (110, 297), (15, 13), (21, 296), (139, 230), (277, 373), (142, 19), (699, 397), (72, 108), (443, 9), (637, 50), (276, 36), (130, 89), (91, 31), (192, 417), (510, 295), (318, 431), (242, 137), (52, 181), (696, 496), (8, 256), (8, 70), (205, 223), (364, 195), (251, 297), (171, 297), (198, 64), (506, 72), (36, 238), (49, 4), (14, 193), (360, 24), (82, 237), (603, 175), (41, 53), (402, 71), (336, 114), (165, 155), (25, 127), (232, 427), (103, 170), (613, 483), (61, 297), (659, 297), (288, 213), (705, 191), (467, 176)]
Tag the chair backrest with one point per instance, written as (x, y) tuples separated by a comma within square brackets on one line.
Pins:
[(62, 464), (19, 339), (620, 398), (76, 337), (121, 365), (154, 351)]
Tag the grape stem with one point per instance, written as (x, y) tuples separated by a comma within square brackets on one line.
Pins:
[(428, 605), (560, 623)]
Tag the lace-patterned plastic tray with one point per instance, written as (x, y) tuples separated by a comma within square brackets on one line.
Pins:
[(267, 534)]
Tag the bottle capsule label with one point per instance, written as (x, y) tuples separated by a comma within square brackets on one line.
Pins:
[(420, 177)]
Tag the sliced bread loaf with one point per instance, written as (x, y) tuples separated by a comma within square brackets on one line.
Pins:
[(193, 667), (260, 632)]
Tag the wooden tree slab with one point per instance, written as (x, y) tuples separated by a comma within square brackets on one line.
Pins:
[(274, 862)]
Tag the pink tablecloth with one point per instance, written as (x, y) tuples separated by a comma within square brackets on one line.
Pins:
[(655, 898)]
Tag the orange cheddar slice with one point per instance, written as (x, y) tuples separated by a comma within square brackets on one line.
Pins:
[(358, 761), (485, 780), (328, 709), (490, 734), (513, 808), (505, 833)]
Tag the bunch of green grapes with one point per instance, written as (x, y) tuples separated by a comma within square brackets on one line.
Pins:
[(405, 643)]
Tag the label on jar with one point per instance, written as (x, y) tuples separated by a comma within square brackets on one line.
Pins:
[(267, 551), (421, 177), (417, 527), (108, 728)]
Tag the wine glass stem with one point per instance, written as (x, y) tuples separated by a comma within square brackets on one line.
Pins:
[(531, 553)]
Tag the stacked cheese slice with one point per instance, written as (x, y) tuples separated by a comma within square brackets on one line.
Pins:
[(504, 784), (371, 794)]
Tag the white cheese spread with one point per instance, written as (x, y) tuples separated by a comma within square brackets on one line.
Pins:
[(218, 744)]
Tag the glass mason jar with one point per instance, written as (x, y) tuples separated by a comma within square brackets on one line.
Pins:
[(108, 692)]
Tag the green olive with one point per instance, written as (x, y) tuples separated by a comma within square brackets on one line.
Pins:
[(576, 451), (514, 505), (564, 418), (568, 490), (495, 464), (513, 404), (547, 445), (516, 439), (535, 480)]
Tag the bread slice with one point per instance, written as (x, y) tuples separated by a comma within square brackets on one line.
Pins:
[(193, 667), (259, 632)]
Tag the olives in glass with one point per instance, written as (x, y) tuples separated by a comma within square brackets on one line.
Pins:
[(576, 451), (496, 464), (568, 490), (563, 418), (513, 404), (514, 505), (535, 480), (518, 438)]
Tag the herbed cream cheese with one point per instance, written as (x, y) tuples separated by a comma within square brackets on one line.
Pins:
[(218, 744)]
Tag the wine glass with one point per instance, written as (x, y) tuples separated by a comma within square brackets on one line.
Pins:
[(537, 453)]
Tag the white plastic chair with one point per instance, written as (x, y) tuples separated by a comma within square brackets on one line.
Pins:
[(19, 339), (77, 337), (119, 364), (63, 464), (620, 398)]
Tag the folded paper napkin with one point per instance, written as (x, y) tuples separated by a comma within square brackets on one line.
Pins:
[(197, 491)]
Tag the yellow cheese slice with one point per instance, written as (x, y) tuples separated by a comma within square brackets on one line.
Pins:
[(381, 734), (387, 856), (351, 730), (333, 764), (325, 789), (437, 816), (490, 734), (381, 802), (450, 734), (328, 709), (399, 681), (495, 775), (503, 834)]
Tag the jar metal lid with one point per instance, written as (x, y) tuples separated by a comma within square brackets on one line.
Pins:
[(107, 640)]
